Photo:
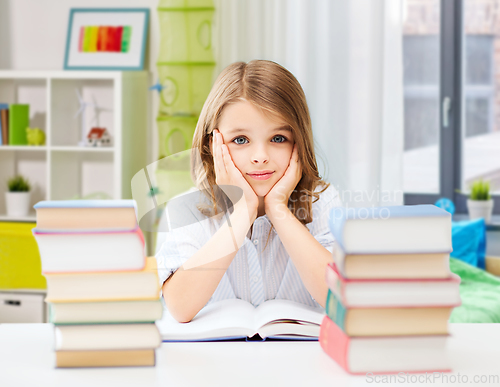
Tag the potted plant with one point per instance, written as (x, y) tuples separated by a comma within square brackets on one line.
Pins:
[(480, 203), (18, 197)]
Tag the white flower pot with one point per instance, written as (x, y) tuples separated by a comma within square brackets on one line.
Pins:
[(18, 203), (480, 209)]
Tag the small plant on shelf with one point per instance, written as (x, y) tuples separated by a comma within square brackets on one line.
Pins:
[(18, 196), (480, 203), (18, 184)]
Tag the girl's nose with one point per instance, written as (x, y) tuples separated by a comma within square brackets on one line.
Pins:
[(260, 156)]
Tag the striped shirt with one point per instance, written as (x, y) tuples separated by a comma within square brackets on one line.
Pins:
[(256, 274)]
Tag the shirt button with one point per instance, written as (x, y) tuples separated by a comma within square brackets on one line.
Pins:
[(255, 278), (255, 241)]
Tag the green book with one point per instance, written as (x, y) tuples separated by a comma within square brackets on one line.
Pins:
[(19, 120), (335, 310), (126, 35)]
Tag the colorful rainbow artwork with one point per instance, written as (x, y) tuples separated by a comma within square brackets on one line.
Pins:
[(104, 39)]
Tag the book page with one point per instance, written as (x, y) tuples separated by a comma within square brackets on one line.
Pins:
[(226, 318), (276, 310)]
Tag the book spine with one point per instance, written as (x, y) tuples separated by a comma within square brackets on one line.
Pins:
[(334, 282), (334, 342), (4, 116), (336, 311), (19, 120)]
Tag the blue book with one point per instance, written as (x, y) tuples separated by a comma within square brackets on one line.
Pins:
[(393, 229), (3, 106)]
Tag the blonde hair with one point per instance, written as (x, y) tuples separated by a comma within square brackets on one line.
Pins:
[(274, 89)]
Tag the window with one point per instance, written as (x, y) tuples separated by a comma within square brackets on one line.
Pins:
[(451, 54)]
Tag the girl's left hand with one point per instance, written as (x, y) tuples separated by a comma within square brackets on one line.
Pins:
[(281, 191)]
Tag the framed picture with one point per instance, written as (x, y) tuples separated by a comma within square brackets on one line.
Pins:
[(106, 39)]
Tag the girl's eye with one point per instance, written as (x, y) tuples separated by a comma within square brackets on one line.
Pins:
[(240, 140), (279, 138)]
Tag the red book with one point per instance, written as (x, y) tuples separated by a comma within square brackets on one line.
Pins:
[(111, 39), (118, 41), (383, 355), (389, 293)]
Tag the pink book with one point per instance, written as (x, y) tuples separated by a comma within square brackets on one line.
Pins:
[(383, 355), (366, 293), (80, 39)]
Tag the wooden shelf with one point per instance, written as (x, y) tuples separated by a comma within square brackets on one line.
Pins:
[(81, 149), (22, 148)]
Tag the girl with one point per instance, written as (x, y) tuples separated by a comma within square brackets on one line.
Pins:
[(254, 133)]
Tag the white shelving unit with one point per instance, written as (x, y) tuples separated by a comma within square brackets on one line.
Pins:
[(61, 169)]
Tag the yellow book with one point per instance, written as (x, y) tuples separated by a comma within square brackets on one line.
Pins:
[(93, 30)]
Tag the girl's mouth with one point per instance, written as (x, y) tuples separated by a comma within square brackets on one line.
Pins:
[(261, 176)]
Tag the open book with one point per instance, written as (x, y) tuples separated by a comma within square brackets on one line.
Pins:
[(235, 318)]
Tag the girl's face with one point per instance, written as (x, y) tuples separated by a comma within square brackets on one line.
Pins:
[(260, 144)]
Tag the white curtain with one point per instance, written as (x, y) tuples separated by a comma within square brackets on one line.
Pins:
[(347, 55)]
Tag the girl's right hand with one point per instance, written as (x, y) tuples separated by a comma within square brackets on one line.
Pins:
[(226, 174)]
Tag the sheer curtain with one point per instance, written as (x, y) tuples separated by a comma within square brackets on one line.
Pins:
[(347, 55)]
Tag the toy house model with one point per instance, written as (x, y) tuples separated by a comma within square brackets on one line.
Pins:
[(98, 137)]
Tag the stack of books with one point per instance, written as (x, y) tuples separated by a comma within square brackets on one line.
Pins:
[(103, 292), (391, 291)]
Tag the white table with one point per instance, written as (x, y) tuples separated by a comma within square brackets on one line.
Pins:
[(27, 359)]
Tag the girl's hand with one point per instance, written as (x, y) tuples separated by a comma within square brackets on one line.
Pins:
[(281, 191), (226, 174)]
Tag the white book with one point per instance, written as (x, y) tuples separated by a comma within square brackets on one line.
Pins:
[(90, 252), (393, 229), (393, 292), (106, 337), (236, 318)]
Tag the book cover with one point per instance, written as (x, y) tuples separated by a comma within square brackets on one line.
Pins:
[(87, 252), (105, 286), (398, 321), (19, 120), (105, 312), (85, 204), (106, 337), (394, 265), (393, 292), (383, 355), (393, 229), (3, 106)]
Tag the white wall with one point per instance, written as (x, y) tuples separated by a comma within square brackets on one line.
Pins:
[(33, 37)]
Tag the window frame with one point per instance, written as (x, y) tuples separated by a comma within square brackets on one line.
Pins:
[(451, 68)]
